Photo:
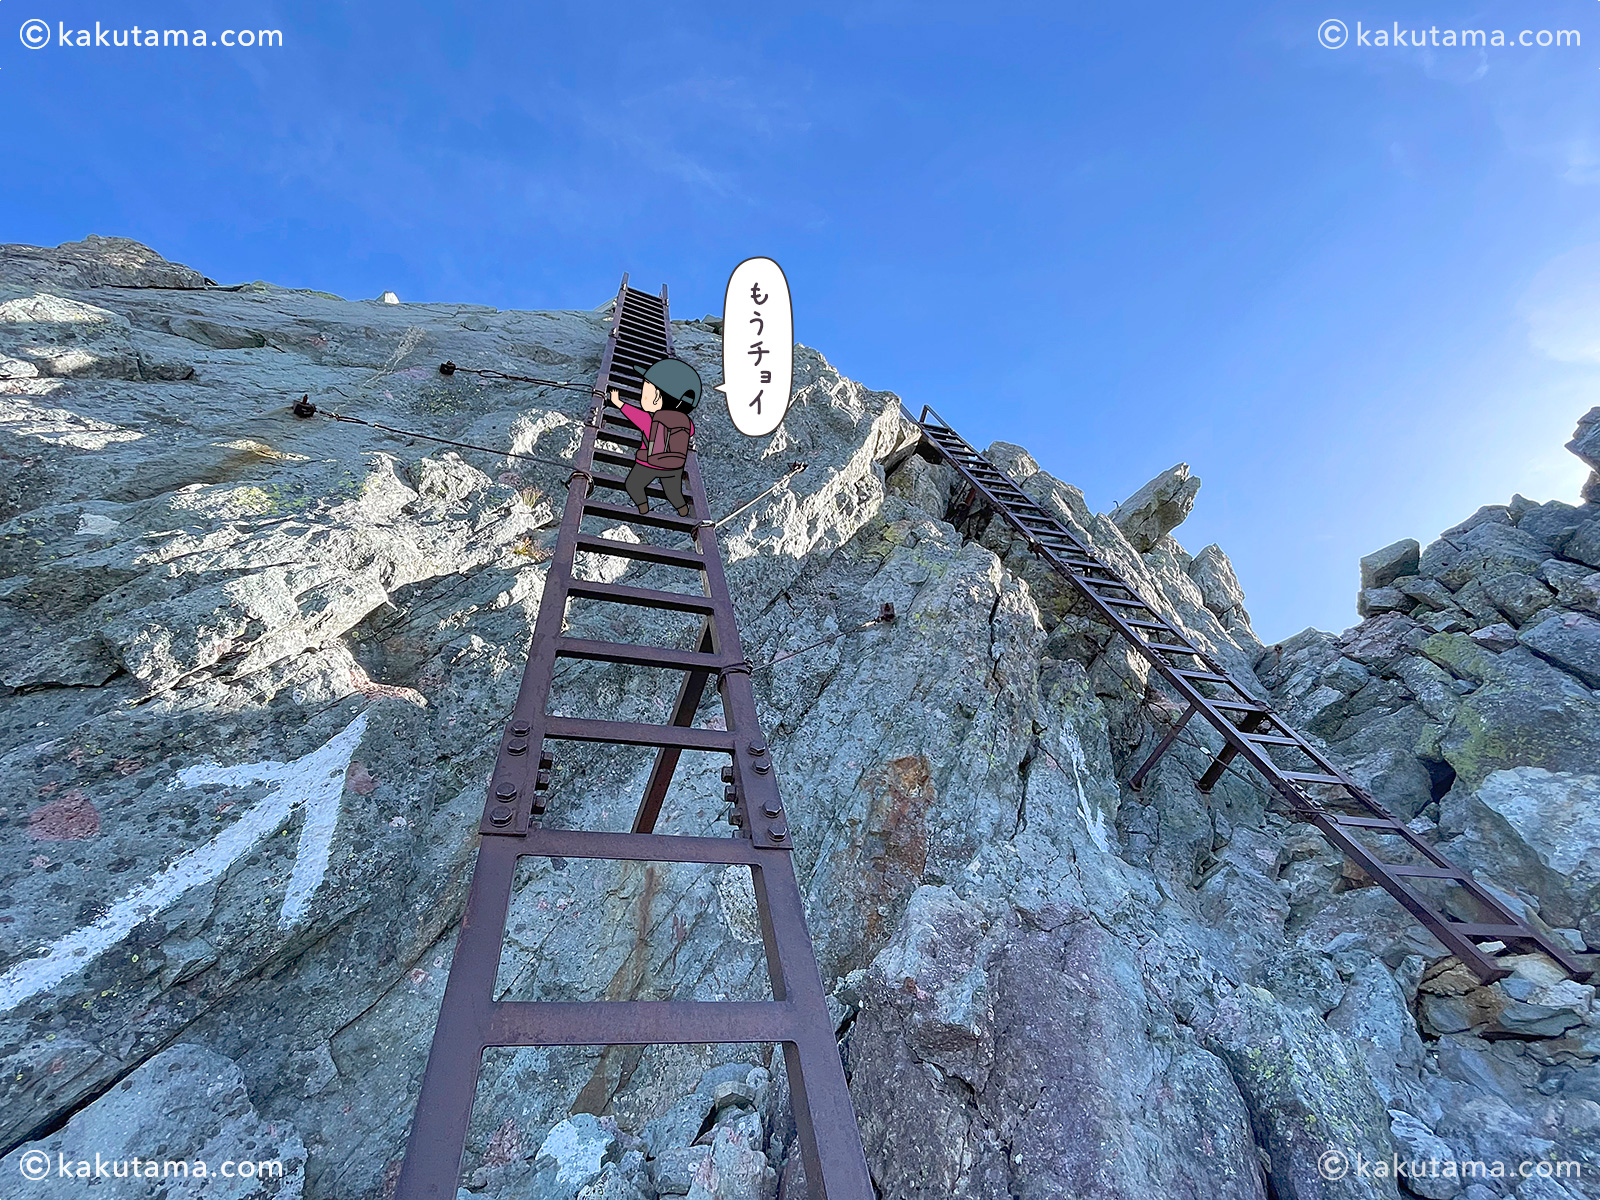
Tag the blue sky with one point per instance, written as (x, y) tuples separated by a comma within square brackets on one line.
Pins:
[(1356, 289)]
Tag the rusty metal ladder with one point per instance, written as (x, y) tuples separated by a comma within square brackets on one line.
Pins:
[(470, 1019), (1341, 809)]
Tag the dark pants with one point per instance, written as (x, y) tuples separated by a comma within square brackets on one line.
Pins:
[(671, 482)]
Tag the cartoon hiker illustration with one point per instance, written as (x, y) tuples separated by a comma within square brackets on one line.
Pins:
[(671, 389)]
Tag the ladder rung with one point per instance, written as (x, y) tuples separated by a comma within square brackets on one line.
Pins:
[(642, 551), (641, 333), (636, 360), (1204, 677), (620, 485), (1474, 929), (1272, 739), (639, 1022), (635, 733), (643, 597), (1424, 871), (1121, 603), (640, 847), (1311, 777), (629, 654), (1185, 649), (660, 520), (620, 439), (1366, 822), (1235, 705), (612, 457)]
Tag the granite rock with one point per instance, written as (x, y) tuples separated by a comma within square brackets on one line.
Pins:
[(1157, 508), (180, 1125), (1382, 567)]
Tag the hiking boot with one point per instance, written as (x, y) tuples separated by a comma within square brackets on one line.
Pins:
[(643, 508), (684, 511)]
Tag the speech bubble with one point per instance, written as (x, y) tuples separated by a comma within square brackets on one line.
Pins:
[(757, 346)]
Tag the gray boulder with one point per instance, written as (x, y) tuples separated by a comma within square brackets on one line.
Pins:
[(1072, 1027), (1157, 508), (1534, 825), (1495, 638), (96, 262), (1213, 573), (1380, 642), (1425, 591), (1521, 712), (1382, 567), (1585, 441), (1520, 597), (179, 1126), (1373, 1013), (572, 1156), (1570, 641), (1431, 1170), (1372, 602), (1576, 586), (1486, 549), (1553, 523), (1584, 544), (1307, 1093)]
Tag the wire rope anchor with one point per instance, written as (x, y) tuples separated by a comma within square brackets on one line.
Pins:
[(304, 408)]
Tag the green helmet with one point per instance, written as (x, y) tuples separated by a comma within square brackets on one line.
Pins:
[(677, 379)]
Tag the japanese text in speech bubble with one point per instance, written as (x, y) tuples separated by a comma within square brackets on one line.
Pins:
[(757, 346)]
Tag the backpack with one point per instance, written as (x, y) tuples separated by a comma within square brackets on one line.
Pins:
[(669, 440)]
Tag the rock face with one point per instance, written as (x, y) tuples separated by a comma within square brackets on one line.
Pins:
[(256, 672), (1585, 444), (1157, 508), (179, 1125)]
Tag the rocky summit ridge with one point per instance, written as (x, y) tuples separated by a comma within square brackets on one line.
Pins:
[(256, 669)]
